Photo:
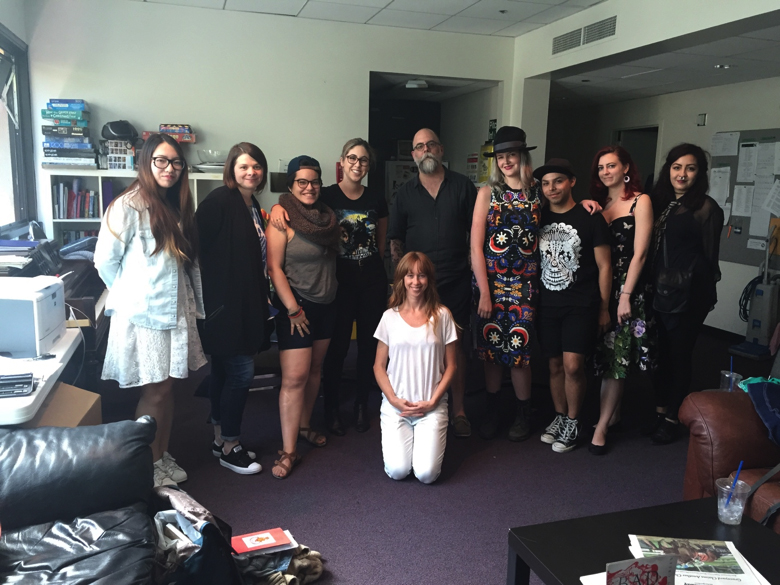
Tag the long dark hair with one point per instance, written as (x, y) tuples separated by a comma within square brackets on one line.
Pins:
[(663, 192), (179, 242), (632, 188)]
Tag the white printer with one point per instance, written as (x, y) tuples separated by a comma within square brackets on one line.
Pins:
[(32, 315)]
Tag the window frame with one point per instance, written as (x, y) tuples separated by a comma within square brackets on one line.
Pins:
[(22, 152)]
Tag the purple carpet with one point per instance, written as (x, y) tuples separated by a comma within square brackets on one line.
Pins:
[(372, 529)]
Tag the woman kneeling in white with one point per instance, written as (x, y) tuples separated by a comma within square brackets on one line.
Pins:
[(417, 333)]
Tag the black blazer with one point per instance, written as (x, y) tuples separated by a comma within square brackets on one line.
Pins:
[(235, 289)]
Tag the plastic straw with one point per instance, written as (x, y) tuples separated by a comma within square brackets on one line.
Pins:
[(733, 485), (731, 377)]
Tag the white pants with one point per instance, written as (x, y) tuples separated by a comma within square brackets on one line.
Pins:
[(414, 442)]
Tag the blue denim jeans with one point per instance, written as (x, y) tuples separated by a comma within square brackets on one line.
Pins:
[(230, 379)]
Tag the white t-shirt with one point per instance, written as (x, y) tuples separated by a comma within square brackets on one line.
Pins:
[(416, 354)]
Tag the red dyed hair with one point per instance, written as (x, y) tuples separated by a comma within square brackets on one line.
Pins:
[(632, 188)]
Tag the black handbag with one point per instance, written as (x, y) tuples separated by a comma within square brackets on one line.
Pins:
[(672, 286)]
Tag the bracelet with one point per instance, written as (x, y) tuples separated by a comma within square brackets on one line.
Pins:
[(296, 314), (626, 293)]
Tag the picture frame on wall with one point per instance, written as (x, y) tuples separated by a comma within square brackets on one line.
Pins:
[(404, 150)]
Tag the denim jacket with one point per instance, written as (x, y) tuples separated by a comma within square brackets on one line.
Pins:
[(143, 287)]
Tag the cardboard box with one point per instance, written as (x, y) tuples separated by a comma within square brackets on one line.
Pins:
[(67, 406)]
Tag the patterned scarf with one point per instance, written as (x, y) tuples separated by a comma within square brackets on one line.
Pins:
[(659, 229), (317, 223)]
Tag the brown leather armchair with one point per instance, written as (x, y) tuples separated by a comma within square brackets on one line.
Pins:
[(725, 429)]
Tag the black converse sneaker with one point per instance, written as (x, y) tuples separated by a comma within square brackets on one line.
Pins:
[(567, 439), (239, 461), (216, 450), (553, 430)]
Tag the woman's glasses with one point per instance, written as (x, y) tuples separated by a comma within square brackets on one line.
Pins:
[(363, 160), (303, 183), (162, 163)]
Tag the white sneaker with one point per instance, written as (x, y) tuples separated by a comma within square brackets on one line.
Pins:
[(175, 472), (161, 477), (553, 430), (567, 440)]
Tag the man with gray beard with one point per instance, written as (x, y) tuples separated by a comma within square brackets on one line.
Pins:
[(432, 214)]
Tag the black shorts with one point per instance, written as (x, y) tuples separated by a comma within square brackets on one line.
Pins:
[(456, 296), (567, 329), (321, 317)]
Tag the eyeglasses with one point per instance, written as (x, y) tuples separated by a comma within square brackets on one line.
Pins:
[(303, 183), (352, 159), (431, 144), (162, 163)]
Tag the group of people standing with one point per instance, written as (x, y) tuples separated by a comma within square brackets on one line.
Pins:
[(515, 262)]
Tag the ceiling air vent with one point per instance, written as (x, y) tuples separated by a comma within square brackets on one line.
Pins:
[(567, 41), (599, 30)]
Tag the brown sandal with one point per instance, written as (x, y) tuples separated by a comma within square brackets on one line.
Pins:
[(292, 459), (312, 436)]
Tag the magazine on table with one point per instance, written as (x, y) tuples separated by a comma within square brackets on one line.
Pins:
[(699, 562)]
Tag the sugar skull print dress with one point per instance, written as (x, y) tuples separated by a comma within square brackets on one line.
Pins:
[(512, 260)]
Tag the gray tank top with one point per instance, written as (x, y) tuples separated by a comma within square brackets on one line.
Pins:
[(311, 269)]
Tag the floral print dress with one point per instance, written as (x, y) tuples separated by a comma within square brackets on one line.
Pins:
[(634, 341), (512, 261)]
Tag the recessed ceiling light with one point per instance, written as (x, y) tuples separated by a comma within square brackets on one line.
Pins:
[(503, 11), (722, 66), (416, 84), (585, 80)]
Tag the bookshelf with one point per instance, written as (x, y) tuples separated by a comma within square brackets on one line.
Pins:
[(65, 229)]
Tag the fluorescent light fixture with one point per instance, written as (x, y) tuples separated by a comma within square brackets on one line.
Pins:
[(416, 84)]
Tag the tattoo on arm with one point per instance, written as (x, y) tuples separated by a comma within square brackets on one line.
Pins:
[(396, 251)]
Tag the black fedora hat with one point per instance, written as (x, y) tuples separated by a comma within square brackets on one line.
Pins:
[(555, 165), (508, 139)]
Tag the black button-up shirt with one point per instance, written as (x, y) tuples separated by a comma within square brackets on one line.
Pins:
[(437, 227)]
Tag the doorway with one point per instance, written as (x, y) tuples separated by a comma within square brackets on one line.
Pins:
[(642, 144)]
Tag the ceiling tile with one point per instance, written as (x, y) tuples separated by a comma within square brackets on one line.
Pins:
[(665, 60), (517, 29), (371, 3), (515, 11), (477, 26), (618, 71), (339, 12), (548, 2), (449, 7), (583, 3), (407, 19), (771, 54), (770, 34), (730, 46), (287, 7), (196, 3), (555, 13)]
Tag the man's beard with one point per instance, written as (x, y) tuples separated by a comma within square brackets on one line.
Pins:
[(428, 164)]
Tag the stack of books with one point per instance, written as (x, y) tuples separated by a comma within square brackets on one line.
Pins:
[(66, 143), (180, 132), (73, 202), (15, 255)]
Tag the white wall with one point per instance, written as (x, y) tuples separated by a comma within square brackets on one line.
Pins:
[(741, 106), (292, 86), (464, 124), (12, 17)]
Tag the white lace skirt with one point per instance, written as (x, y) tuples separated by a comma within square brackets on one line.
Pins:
[(137, 355)]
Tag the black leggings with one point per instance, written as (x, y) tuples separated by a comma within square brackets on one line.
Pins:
[(362, 296), (677, 336)]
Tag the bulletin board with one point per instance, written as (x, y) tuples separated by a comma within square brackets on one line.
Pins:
[(745, 167)]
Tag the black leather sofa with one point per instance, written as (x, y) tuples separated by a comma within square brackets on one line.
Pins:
[(74, 504)]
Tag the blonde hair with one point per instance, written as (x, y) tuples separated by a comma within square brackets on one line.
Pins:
[(431, 303), (526, 171)]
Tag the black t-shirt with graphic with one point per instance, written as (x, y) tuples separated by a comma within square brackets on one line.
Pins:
[(569, 274), (358, 220)]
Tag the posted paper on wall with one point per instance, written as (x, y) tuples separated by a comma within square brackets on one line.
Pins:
[(748, 160), (743, 201), (777, 158), (720, 178), (724, 144), (772, 201), (765, 165)]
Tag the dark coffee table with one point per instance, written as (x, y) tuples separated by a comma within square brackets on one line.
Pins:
[(561, 552)]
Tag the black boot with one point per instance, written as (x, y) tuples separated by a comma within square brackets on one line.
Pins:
[(489, 427), (361, 418), (521, 428), (333, 422)]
